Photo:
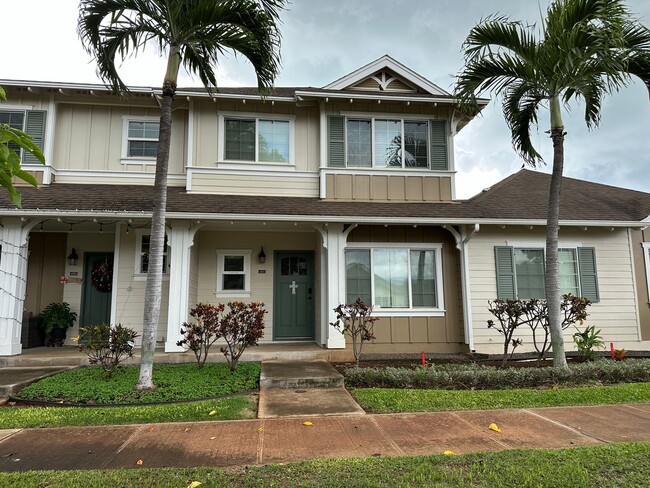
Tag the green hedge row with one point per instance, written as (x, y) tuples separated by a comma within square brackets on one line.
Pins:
[(473, 376)]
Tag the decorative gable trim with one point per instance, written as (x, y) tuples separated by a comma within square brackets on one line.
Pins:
[(386, 62), (385, 81)]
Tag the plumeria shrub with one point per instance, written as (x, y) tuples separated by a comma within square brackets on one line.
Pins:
[(356, 320), (107, 346), (199, 336), (512, 314)]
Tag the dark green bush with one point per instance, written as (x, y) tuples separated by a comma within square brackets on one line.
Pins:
[(472, 376)]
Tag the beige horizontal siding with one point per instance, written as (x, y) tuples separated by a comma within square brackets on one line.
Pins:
[(387, 188), (269, 184), (615, 314)]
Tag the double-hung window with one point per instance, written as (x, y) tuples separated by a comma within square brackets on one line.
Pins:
[(396, 277), (384, 142), (15, 120), (520, 272), (140, 137), (257, 139), (143, 243), (233, 272)]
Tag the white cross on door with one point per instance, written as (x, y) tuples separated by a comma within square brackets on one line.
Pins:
[(293, 287)]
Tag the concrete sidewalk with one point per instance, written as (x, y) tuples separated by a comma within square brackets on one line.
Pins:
[(264, 441)]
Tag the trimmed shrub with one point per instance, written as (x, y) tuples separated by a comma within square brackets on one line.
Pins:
[(107, 346), (477, 377)]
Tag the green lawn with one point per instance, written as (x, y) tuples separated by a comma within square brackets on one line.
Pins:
[(175, 382), (231, 408), (389, 400), (603, 466)]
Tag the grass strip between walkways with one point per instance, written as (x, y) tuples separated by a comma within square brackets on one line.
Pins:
[(602, 466), (391, 400), (230, 408)]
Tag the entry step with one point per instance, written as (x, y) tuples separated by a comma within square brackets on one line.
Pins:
[(299, 374)]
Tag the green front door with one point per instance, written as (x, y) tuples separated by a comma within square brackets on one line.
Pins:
[(95, 303), (293, 296)]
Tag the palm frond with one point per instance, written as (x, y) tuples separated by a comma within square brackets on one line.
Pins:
[(520, 104)]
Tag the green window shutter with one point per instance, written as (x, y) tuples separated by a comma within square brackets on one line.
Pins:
[(336, 141), (35, 127), (505, 266), (439, 159), (588, 274)]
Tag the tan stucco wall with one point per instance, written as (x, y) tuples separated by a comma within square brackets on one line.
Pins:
[(417, 334), (638, 237), (615, 314)]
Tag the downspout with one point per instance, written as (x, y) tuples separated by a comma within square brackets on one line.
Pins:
[(462, 239)]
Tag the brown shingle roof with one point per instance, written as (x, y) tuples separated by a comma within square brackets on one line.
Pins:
[(290, 91), (522, 196)]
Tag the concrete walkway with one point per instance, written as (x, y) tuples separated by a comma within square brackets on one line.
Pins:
[(263, 441)]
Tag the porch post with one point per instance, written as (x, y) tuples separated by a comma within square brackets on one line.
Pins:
[(334, 239), (181, 239), (13, 279)]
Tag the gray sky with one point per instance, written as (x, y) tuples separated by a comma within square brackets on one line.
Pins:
[(326, 39)]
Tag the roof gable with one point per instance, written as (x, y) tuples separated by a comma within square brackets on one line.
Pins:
[(386, 74)]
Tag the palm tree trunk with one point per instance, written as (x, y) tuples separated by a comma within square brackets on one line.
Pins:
[(552, 274), (153, 290)]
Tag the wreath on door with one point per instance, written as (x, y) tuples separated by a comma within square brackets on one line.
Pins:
[(102, 277)]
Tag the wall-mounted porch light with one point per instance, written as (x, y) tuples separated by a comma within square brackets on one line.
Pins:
[(261, 257), (73, 257)]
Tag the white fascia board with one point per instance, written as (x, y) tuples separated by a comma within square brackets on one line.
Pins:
[(386, 62), (373, 96), (232, 96), (307, 218), (70, 86)]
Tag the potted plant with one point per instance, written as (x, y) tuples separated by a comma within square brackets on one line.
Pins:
[(55, 320)]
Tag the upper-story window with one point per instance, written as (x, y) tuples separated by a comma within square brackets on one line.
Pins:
[(387, 142), (140, 139), (29, 121), (256, 139)]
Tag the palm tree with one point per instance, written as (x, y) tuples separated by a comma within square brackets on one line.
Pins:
[(193, 33), (586, 49)]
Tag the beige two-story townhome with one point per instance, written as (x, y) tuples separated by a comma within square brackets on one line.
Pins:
[(305, 199)]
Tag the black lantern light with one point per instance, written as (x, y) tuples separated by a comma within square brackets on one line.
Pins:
[(73, 257), (261, 257)]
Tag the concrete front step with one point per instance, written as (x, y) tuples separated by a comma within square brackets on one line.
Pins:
[(12, 380), (299, 375)]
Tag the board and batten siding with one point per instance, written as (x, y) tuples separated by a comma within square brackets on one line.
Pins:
[(615, 314), (417, 334), (130, 290), (206, 132), (89, 138), (261, 286), (387, 188)]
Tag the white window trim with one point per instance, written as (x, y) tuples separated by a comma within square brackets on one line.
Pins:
[(126, 159), (246, 292), (372, 117), (137, 275), (646, 260), (221, 137), (411, 311)]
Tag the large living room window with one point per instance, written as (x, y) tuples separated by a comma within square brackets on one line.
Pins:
[(257, 139), (520, 272), (140, 139), (389, 277)]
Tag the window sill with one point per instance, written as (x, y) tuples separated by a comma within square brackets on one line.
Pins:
[(143, 277), (146, 161), (256, 165), (410, 312), (236, 294)]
